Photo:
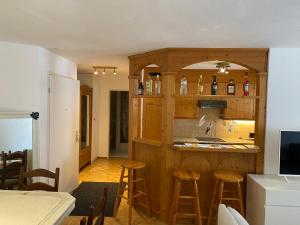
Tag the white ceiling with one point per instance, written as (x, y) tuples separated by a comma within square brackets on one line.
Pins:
[(105, 32), (211, 65)]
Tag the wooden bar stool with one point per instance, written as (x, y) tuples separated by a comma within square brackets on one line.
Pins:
[(132, 167), (222, 177), (185, 176)]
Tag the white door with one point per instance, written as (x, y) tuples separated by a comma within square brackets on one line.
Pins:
[(64, 126)]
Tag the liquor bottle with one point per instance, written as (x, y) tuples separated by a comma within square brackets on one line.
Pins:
[(157, 85), (200, 87), (231, 87), (140, 88), (246, 85), (149, 84), (214, 86), (183, 86)]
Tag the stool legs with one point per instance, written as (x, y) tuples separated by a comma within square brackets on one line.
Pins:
[(212, 204), (118, 197), (175, 203), (130, 195), (218, 199), (197, 204), (239, 194)]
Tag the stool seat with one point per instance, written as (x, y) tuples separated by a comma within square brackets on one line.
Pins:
[(228, 176), (134, 165), (186, 175)]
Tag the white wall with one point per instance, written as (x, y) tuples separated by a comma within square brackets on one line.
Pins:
[(102, 85), (24, 71), (283, 108)]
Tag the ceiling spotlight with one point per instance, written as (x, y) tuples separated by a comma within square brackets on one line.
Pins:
[(223, 67), (103, 72), (95, 71), (114, 73)]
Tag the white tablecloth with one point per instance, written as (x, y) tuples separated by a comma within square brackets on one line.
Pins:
[(34, 207)]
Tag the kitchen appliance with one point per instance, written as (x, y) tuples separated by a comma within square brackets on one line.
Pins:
[(211, 104)]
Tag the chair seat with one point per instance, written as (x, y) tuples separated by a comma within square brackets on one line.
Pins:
[(186, 175), (228, 176)]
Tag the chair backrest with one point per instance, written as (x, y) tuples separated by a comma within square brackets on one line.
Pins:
[(225, 217), (38, 185), (97, 212)]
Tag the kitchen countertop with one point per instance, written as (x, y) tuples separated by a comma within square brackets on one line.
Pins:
[(229, 145), (234, 141)]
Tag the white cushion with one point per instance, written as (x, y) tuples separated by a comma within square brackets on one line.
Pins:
[(237, 216), (225, 217)]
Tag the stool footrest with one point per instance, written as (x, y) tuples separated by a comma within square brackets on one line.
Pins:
[(138, 180), (186, 197), (231, 199), (185, 215), (139, 194)]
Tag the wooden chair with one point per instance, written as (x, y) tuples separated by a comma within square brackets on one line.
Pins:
[(38, 185), (96, 212), (11, 165)]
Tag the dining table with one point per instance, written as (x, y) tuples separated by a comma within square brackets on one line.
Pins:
[(34, 207)]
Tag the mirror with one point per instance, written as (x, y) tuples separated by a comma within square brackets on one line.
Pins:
[(85, 121)]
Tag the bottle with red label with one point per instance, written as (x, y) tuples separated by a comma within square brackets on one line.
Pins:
[(246, 85)]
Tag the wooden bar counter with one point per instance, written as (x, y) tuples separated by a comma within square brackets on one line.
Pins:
[(151, 120)]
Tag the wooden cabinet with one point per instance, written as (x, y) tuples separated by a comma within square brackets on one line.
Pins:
[(240, 109)]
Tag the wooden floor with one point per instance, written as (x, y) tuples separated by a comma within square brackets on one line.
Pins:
[(108, 170)]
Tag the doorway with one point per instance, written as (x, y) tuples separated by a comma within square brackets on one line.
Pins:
[(86, 99), (118, 123)]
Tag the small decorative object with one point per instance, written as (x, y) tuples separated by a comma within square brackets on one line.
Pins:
[(140, 88), (200, 87), (157, 85), (183, 86), (231, 87), (214, 86), (35, 115), (246, 85), (149, 84)]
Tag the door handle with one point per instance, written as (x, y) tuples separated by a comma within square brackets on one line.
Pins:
[(77, 136)]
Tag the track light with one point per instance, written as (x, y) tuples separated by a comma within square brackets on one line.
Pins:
[(95, 71), (104, 68)]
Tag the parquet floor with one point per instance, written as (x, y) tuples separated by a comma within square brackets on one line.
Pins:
[(108, 170)]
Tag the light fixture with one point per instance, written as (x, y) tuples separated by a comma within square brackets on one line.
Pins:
[(95, 71), (105, 68), (223, 67)]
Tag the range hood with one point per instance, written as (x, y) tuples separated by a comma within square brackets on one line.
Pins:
[(212, 104)]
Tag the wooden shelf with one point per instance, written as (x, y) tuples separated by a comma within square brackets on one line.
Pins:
[(147, 96), (147, 141), (215, 97)]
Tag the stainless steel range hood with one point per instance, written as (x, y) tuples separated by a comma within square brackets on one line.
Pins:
[(212, 104)]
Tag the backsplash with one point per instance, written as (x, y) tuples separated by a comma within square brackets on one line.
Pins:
[(220, 128)]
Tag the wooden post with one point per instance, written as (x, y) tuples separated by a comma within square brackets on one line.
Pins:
[(260, 119), (168, 112)]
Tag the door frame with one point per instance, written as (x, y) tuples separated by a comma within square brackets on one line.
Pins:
[(87, 151)]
